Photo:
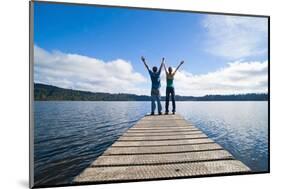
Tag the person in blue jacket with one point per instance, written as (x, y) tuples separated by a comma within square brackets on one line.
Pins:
[(155, 86)]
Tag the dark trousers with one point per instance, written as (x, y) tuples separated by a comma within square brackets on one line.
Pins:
[(170, 90)]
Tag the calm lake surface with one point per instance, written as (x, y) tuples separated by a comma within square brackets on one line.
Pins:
[(70, 135)]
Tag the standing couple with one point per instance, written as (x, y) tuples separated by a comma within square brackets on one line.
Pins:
[(156, 84)]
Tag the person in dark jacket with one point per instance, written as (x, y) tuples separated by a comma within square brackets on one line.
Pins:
[(156, 84)]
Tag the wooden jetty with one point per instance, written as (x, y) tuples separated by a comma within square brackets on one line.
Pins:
[(161, 147)]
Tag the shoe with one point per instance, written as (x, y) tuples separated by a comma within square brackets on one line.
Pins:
[(173, 112), (166, 113), (160, 113), (152, 113)]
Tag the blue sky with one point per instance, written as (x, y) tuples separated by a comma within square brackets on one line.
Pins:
[(207, 43)]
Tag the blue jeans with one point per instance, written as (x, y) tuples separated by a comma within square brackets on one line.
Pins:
[(155, 96)]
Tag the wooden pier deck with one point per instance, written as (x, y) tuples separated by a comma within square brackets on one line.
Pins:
[(161, 147)]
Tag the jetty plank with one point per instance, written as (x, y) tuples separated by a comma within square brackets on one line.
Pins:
[(151, 159), (164, 149), (162, 143), (162, 131), (134, 173), (156, 138), (162, 134), (159, 147)]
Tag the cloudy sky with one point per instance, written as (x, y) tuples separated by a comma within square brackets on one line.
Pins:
[(98, 49)]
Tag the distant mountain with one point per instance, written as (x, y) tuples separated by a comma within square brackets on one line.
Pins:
[(48, 92)]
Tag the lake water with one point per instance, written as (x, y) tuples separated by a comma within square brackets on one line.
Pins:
[(70, 135)]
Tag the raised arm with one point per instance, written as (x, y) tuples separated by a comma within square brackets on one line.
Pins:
[(178, 67), (143, 60), (165, 68), (162, 63)]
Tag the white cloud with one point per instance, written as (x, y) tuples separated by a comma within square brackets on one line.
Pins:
[(235, 78), (85, 73), (234, 37)]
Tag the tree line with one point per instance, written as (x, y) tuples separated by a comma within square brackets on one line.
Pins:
[(44, 92)]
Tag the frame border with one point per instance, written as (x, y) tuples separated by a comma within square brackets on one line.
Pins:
[(31, 91), (31, 94)]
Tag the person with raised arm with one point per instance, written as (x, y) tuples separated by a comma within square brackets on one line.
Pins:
[(155, 86), (170, 90)]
